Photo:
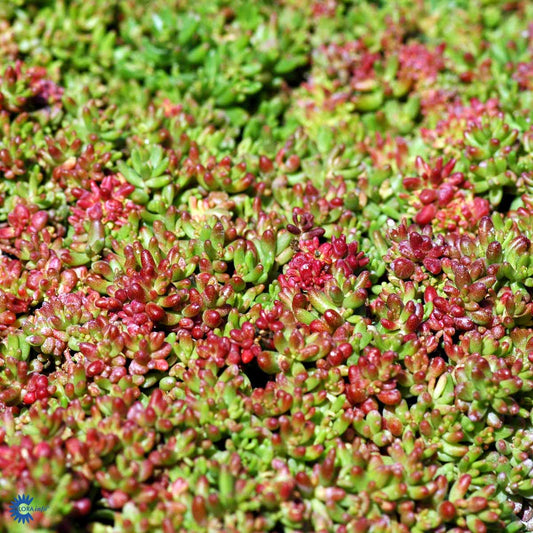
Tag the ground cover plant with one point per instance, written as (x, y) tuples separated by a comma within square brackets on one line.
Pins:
[(266, 266)]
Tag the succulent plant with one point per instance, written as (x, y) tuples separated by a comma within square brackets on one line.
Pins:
[(266, 266)]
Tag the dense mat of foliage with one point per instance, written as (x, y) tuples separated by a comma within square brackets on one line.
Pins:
[(267, 266)]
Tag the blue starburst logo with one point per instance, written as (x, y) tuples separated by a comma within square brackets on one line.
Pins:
[(21, 509)]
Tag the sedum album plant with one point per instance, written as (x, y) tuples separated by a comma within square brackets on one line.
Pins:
[(266, 266)]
